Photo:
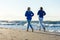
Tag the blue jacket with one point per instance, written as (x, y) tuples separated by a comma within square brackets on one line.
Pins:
[(41, 13), (29, 15)]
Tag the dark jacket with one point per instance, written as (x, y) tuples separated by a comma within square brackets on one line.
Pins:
[(29, 15), (41, 13)]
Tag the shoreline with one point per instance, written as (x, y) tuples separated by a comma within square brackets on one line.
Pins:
[(29, 30)]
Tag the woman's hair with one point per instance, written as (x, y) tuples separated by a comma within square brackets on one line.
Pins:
[(28, 8), (41, 8)]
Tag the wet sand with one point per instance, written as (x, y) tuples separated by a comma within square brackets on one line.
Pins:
[(15, 34)]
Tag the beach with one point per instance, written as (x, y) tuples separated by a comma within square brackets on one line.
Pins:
[(16, 34)]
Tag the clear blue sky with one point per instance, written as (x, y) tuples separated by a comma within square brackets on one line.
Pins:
[(15, 9)]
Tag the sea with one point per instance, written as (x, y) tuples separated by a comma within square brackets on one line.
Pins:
[(51, 26)]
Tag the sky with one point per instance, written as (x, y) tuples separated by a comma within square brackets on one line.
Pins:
[(15, 9)]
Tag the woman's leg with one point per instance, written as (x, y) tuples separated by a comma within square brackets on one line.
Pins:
[(41, 23), (31, 27), (28, 25)]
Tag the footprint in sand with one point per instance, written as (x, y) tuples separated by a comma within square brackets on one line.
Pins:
[(26, 39), (11, 39), (1, 33)]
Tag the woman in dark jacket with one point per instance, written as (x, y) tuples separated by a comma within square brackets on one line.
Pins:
[(29, 14), (41, 14)]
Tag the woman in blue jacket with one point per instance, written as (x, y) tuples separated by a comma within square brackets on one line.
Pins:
[(29, 14), (41, 14)]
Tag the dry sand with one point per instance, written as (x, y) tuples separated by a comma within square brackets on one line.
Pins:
[(15, 34)]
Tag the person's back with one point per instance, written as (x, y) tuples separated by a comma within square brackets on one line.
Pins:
[(41, 13), (29, 14)]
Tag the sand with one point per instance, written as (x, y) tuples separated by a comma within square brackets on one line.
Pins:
[(15, 34)]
